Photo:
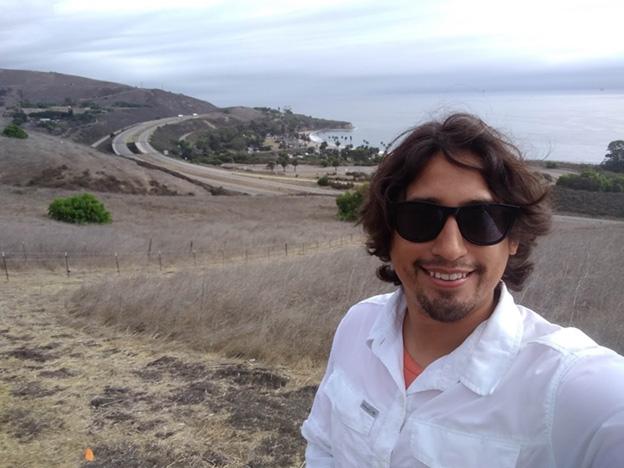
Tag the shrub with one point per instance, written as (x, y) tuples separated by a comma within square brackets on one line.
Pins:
[(79, 209), (551, 165), (349, 203), (593, 181), (323, 181), (13, 131)]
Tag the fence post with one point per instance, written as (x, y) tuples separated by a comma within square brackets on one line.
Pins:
[(149, 249), (24, 251), (6, 270), (286, 249), (117, 262), (191, 247), (159, 260), (67, 264)]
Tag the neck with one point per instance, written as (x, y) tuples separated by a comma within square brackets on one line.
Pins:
[(426, 339)]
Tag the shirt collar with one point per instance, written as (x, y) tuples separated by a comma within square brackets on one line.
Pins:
[(388, 324), (497, 346), (479, 363)]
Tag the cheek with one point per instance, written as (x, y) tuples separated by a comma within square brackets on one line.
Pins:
[(402, 255)]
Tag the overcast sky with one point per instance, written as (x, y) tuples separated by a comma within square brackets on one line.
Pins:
[(223, 50)]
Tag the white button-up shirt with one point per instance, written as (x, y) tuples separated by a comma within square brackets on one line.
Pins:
[(518, 392)]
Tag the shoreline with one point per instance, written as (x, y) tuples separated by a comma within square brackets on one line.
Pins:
[(316, 139)]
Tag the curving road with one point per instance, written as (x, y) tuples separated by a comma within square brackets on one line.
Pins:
[(249, 184)]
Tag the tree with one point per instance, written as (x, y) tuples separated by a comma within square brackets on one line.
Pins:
[(614, 159), (185, 149), (271, 166), (335, 162), (295, 163), (283, 160)]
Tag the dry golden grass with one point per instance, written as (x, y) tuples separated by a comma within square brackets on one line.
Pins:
[(147, 391), (286, 311), (283, 311), (217, 227), (132, 400)]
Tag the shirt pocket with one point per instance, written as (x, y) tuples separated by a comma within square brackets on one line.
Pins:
[(439, 447), (352, 418)]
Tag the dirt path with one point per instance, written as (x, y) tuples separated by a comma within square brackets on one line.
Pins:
[(135, 401)]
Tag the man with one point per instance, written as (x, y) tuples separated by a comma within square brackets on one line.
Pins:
[(448, 371)]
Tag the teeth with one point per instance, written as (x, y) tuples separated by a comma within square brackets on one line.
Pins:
[(447, 277)]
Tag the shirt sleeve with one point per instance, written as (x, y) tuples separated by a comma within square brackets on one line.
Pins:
[(588, 418), (316, 428)]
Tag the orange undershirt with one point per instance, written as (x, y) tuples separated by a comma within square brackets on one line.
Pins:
[(411, 369)]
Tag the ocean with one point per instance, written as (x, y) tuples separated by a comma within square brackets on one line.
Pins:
[(571, 126)]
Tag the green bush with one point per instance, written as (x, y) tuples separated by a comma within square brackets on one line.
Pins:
[(79, 209), (349, 203), (14, 131), (323, 181), (551, 165), (593, 181)]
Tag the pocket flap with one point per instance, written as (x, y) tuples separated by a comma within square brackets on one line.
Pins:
[(350, 406), (439, 447)]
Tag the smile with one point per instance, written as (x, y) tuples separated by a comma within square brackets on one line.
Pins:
[(448, 276)]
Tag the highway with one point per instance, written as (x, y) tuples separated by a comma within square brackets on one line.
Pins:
[(249, 184)]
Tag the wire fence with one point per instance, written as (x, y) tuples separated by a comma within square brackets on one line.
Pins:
[(17, 262)]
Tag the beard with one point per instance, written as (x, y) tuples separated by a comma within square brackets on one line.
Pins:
[(445, 308)]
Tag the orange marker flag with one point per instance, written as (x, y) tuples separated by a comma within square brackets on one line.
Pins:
[(89, 455)]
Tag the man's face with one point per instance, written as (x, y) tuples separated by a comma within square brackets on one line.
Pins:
[(424, 268)]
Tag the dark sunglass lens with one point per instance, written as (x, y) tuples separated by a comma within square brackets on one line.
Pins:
[(485, 224), (418, 222)]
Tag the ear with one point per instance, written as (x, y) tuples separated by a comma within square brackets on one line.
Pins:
[(513, 247)]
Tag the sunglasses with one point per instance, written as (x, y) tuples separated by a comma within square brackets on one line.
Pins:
[(480, 224)]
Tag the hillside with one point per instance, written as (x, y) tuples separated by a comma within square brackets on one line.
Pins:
[(49, 161), (97, 107)]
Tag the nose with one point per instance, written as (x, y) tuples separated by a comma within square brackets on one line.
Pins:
[(449, 244)]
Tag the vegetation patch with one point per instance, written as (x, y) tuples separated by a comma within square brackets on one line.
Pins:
[(593, 181), (14, 131), (31, 354), (349, 203), (26, 426), (79, 209), (610, 204)]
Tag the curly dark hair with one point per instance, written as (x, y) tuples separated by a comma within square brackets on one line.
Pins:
[(500, 163)]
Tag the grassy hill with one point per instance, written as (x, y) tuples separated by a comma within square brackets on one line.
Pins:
[(98, 107), (48, 161)]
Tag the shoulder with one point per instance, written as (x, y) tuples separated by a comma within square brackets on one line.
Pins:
[(367, 310), (361, 317), (588, 409), (570, 358)]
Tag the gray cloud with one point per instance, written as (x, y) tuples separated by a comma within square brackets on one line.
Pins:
[(382, 47)]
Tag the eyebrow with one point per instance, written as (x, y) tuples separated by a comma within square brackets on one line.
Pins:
[(474, 201)]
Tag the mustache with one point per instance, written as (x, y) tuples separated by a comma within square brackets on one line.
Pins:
[(445, 264)]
